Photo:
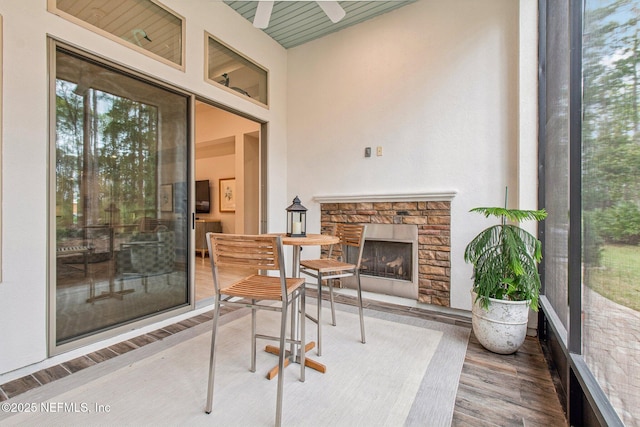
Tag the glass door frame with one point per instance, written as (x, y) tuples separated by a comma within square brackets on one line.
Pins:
[(139, 324), (53, 347)]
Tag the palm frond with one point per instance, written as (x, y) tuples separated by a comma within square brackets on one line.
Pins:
[(516, 215)]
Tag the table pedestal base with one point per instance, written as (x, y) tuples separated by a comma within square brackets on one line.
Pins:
[(307, 362)]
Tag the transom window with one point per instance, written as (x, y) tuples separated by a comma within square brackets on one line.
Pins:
[(145, 25), (232, 71)]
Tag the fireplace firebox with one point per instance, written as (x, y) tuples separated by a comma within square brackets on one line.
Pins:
[(382, 258), (389, 260)]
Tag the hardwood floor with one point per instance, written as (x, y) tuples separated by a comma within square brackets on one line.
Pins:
[(204, 281), (507, 390)]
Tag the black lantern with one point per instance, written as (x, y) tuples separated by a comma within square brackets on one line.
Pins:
[(296, 219)]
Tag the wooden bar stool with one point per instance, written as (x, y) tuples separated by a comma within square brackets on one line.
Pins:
[(333, 267), (258, 291)]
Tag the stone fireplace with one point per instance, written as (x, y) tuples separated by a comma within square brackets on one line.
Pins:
[(427, 275)]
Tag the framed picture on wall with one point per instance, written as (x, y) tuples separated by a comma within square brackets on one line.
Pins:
[(227, 195), (166, 198)]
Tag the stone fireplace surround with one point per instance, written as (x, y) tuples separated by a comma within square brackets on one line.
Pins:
[(430, 212)]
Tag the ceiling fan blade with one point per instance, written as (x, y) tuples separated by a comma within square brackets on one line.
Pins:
[(263, 14), (334, 11)]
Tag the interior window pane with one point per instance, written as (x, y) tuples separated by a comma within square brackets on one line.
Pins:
[(121, 201), (142, 23), (611, 201), (232, 70)]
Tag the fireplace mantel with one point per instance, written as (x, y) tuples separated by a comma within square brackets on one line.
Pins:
[(432, 196)]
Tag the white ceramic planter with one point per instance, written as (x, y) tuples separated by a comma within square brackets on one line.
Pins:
[(503, 327)]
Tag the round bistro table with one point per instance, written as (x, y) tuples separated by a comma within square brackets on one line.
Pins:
[(298, 243)]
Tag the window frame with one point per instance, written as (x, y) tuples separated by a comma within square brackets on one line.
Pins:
[(53, 8), (208, 36), (53, 347), (584, 400)]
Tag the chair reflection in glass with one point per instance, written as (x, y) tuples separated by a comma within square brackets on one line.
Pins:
[(148, 254), (334, 267), (259, 254)]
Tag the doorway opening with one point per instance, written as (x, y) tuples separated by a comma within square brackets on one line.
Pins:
[(228, 160)]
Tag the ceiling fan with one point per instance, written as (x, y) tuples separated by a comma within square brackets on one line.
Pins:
[(334, 11)]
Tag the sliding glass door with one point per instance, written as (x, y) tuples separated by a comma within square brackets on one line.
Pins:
[(119, 189)]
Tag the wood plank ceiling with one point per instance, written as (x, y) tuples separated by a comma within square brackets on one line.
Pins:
[(297, 22)]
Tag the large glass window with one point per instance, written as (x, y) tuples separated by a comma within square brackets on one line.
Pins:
[(121, 212), (611, 201)]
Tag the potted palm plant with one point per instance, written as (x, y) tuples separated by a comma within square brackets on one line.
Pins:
[(506, 283)]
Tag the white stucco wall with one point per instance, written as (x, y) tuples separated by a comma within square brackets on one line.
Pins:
[(436, 84), (25, 139)]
